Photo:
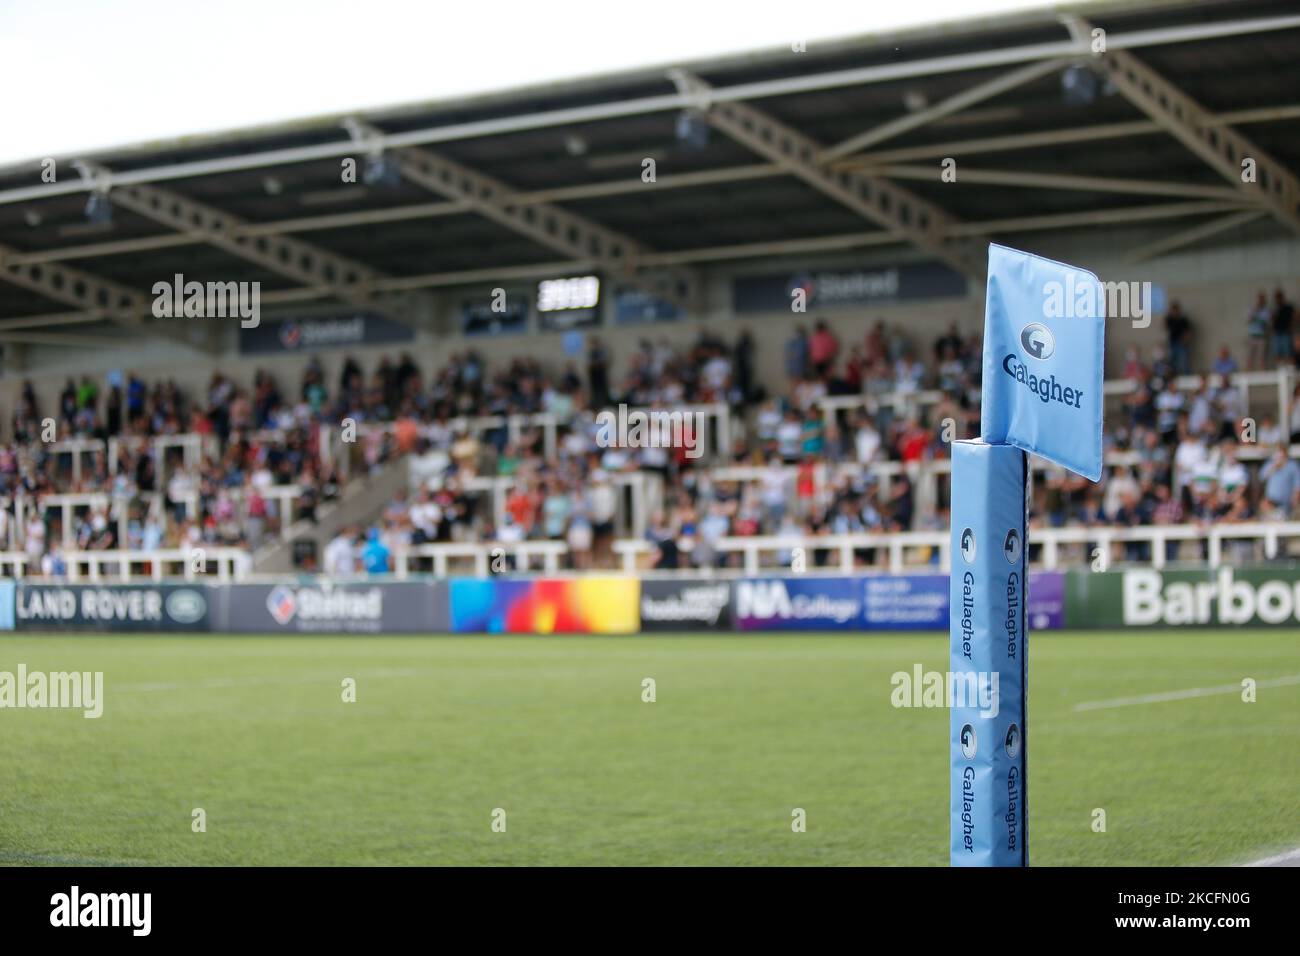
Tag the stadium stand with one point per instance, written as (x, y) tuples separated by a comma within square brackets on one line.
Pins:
[(387, 417), (856, 444)]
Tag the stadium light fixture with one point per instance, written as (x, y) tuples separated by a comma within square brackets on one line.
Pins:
[(382, 170), (1078, 85), (692, 129), (99, 210)]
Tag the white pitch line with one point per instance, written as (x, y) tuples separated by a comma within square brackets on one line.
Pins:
[(254, 681), (1282, 859), (1184, 694)]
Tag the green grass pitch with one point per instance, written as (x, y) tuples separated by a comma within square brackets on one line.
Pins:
[(554, 731)]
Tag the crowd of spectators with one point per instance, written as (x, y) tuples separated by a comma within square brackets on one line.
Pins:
[(1177, 454)]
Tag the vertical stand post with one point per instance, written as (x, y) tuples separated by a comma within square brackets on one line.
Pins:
[(987, 669)]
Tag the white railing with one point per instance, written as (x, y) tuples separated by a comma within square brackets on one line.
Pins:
[(930, 550), (283, 497), (924, 474), (13, 564), (904, 404), (480, 554), (900, 551), (1264, 536), (113, 506), (192, 444), (646, 496), (229, 564), (77, 447), (1282, 380), (896, 553)]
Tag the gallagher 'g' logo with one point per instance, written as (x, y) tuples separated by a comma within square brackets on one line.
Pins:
[(1011, 547), (967, 545), (1037, 341), (1013, 741), (967, 738)]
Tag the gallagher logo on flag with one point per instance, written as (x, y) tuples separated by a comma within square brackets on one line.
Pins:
[(1043, 379), (1037, 341)]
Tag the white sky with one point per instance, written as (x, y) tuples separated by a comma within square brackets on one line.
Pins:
[(87, 74)]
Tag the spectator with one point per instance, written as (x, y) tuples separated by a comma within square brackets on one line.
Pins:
[(797, 350), (1169, 404), (1269, 433), (1224, 363), (53, 564), (876, 344), (601, 507), (950, 343), (866, 441), (1200, 411), (341, 554), (557, 509), (1192, 460), (909, 374), (34, 538), (375, 556), (1283, 320), (1281, 477), (743, 363), (1233, 479), (580, 538), (1231, 406), (598, 372), (1258, 323), (822, 349), (1178, 327)]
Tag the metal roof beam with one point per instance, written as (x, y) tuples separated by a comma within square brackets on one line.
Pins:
[(98, 298), (960, 101), (1274, 187), (545, 223), (414, 211), (1056, 137), (1195, 234), (655, 104), (692, 256), (62, 340), (1026, 180), (49, 320), (306, 264), (891, 207)]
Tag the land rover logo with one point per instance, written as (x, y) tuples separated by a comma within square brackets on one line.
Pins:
[(1013, 740), (968, 741), (1037, 341), (1011, 547), (186, 606), (968, 545)]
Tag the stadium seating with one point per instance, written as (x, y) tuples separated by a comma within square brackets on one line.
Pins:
[(849, 457)]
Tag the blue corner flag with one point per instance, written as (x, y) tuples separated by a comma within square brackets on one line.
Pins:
[(1044, 333), (1043, 339)]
